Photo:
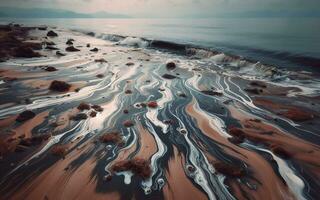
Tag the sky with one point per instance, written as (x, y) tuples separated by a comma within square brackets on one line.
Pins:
[(171, 8)]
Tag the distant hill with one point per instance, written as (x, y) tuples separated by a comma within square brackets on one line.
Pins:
[(53, 13)]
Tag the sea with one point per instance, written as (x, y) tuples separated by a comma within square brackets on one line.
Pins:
[(292, 43)]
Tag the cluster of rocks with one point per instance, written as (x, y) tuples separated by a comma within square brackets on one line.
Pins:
[(83, 116)]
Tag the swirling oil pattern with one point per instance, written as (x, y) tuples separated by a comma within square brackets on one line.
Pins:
[(205, 126)]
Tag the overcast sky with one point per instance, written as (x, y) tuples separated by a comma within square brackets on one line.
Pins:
[(170, 7)]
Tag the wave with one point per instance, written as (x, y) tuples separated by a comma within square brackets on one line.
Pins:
[(242, 65)]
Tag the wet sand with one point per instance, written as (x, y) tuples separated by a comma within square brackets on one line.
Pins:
[(195, 129)]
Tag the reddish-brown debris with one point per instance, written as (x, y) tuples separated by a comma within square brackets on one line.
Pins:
[(139, 167), (83, 106), (152, 104), (59, 150), (112, 137), (297, 115), (228, 170), (280, 151), (93, 114)]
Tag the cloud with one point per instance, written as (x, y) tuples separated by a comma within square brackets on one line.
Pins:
[(168, 8)]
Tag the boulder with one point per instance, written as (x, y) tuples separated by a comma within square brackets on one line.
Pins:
[(97, 108), (51, 69), (26, 115), (152, 104), (168, 76), (83, 106), (52, 34), (59, 86), (72, 49), (94, 50), (171, 66), (212, 93), (70, 42)]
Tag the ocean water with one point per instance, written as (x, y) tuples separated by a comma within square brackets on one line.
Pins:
[(276, 41)]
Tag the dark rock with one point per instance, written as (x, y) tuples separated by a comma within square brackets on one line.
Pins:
[(171, 65), (99, 75), (168, 76), (102, 60), (42, 28), (51, 69), (168, 121), (126, 111), (84, 106), (97, 108), (91, 34), (128, 92), (93, 114), (180, 94), (26, 115), (70, 42), (59, 86), (88, 45), (212, 93), (94, 50), (52, 48), (52, 34), (72, 49), (130, 64)]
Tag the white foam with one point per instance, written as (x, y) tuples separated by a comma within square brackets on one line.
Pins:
[(133, 41)]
